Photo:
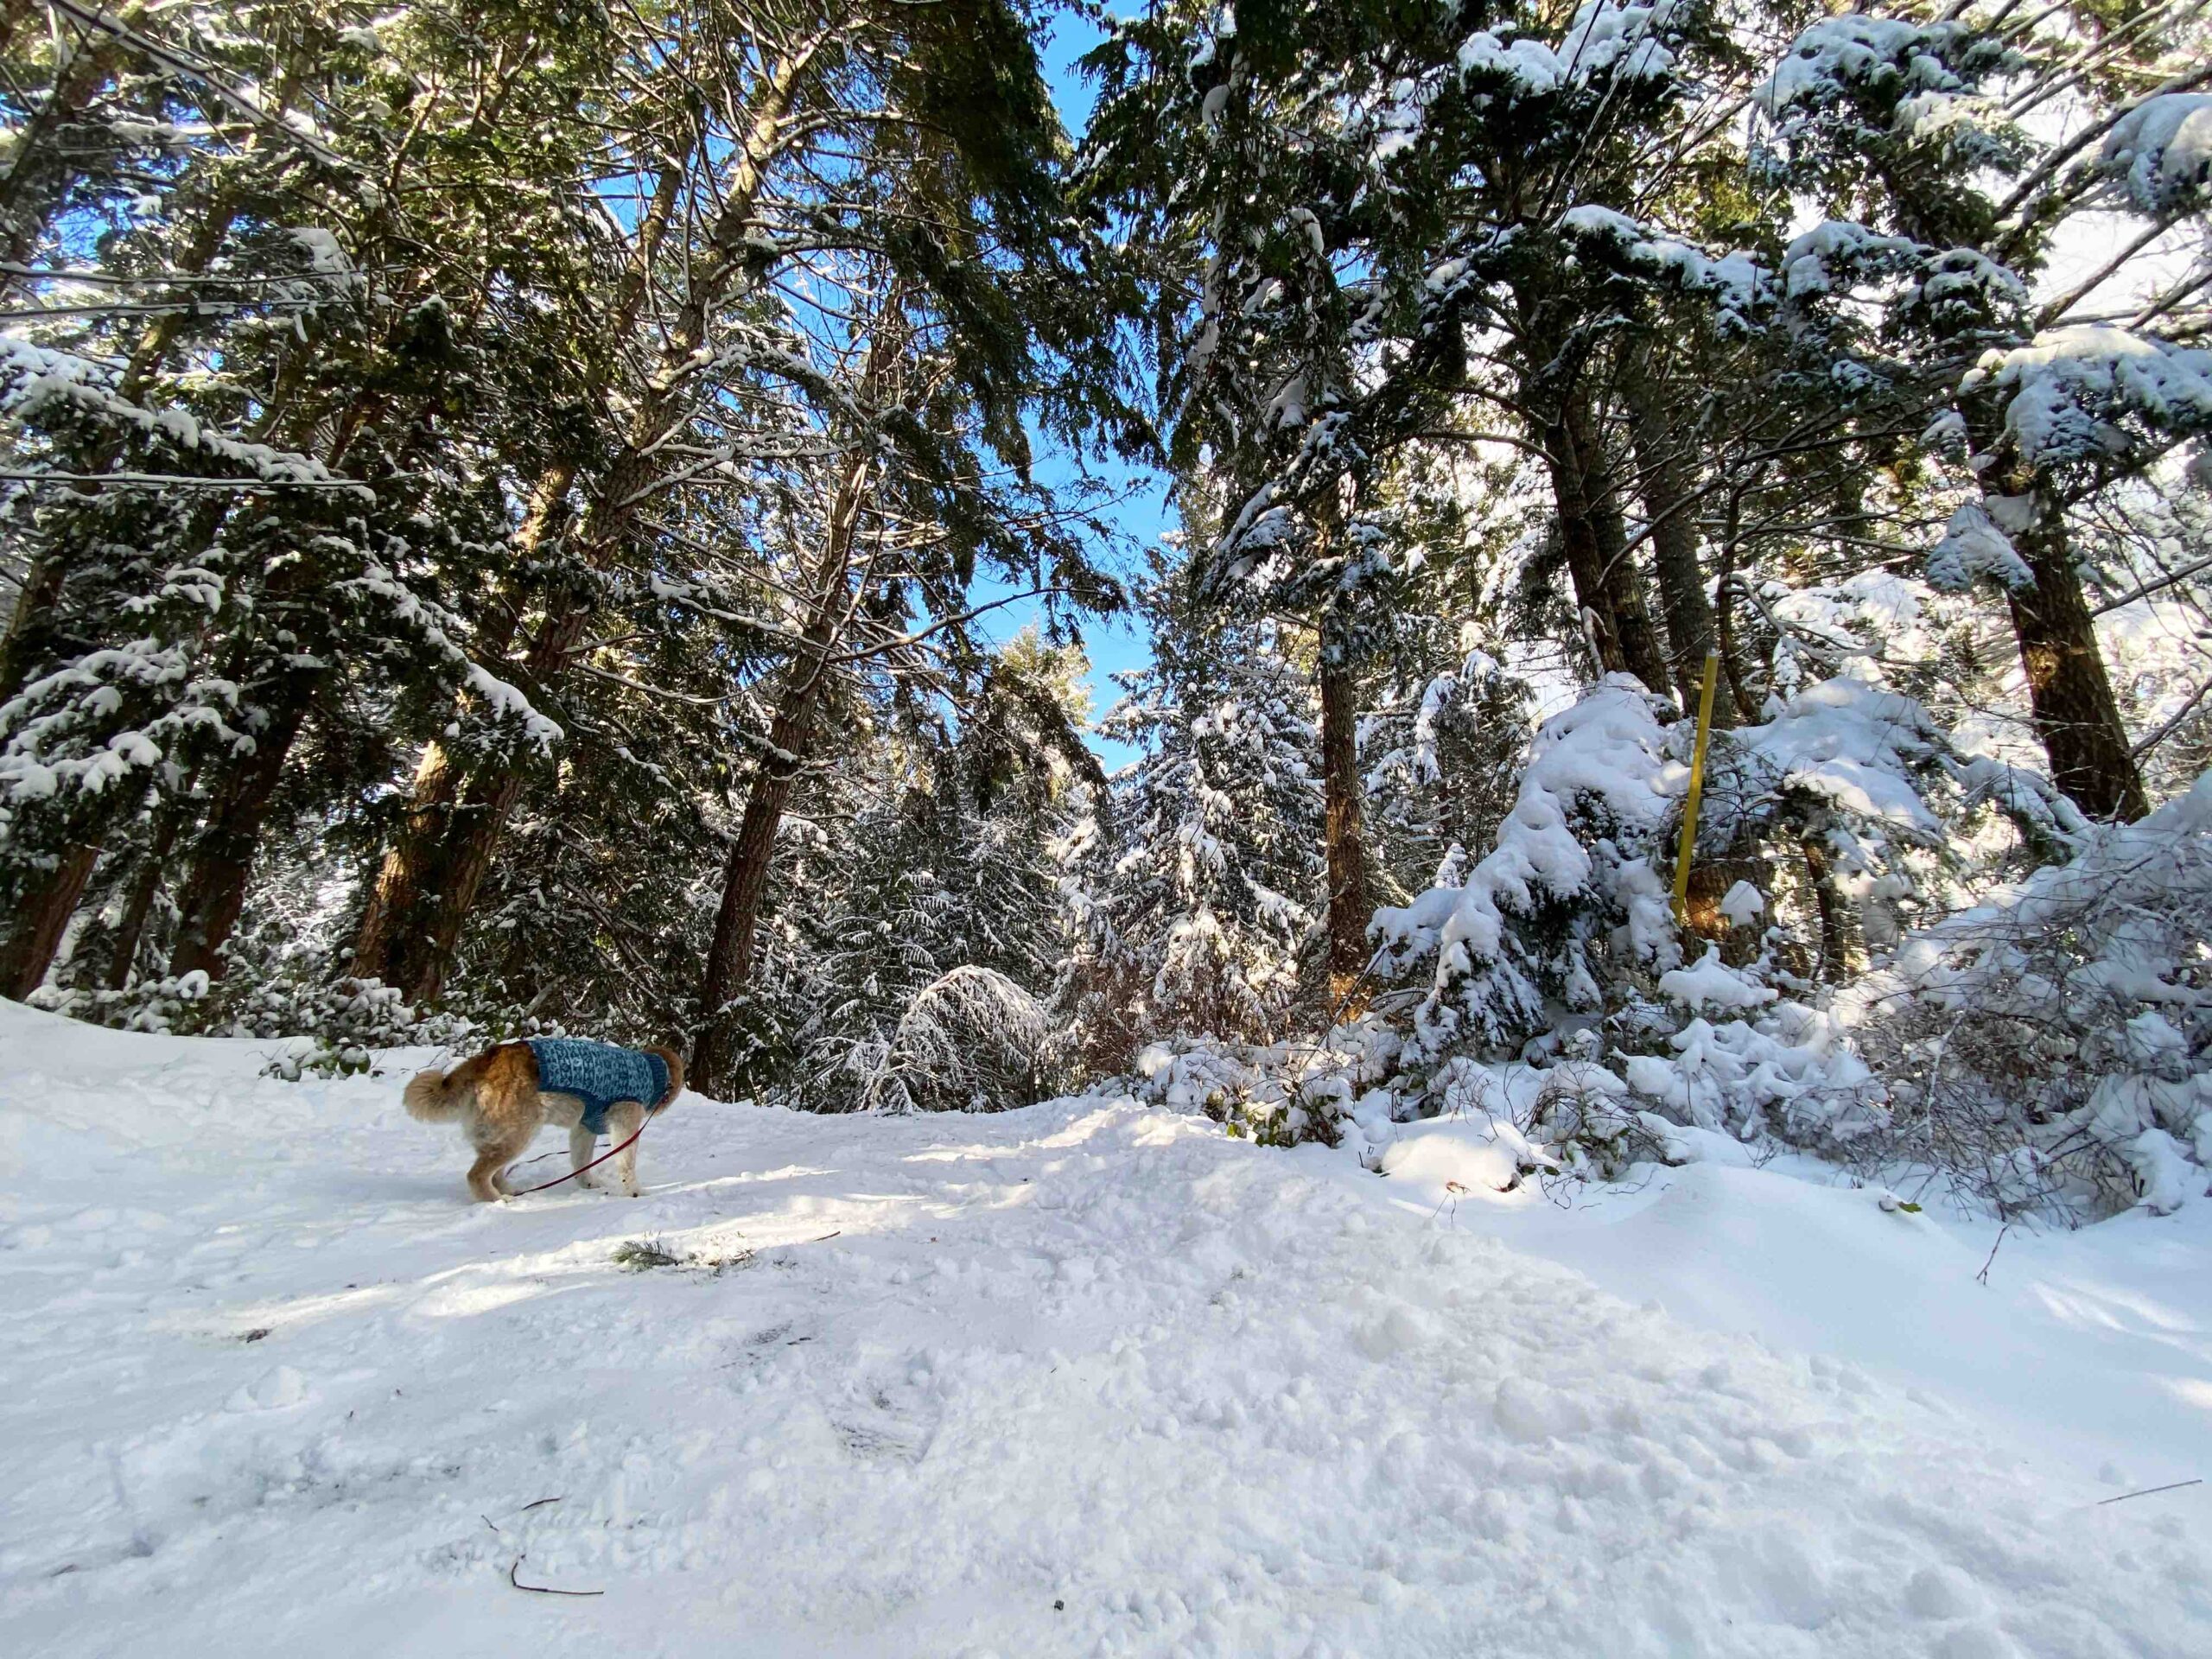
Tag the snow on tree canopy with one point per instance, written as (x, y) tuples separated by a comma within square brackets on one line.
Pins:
[(2162, 149), (1604, 41), (1973, 546), (1854, 746), (1813, 262), (2079, 393), (1734, 279), (1838, 55)]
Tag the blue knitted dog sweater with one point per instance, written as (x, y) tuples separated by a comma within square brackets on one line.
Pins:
[(598, 1074)]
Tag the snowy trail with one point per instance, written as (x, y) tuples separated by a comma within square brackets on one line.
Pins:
[(271, 1387)]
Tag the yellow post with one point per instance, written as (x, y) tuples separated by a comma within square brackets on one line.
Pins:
[(1697, 789)]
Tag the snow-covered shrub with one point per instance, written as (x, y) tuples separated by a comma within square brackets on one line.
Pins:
[(2048, 1048), (1559, 948), (1278, 1094), (171, 1003), (342, 1024), (1584, 1121), (1749, 1063), (1244, 1087), (970, 1041), (1829, 797), (1568, 891)]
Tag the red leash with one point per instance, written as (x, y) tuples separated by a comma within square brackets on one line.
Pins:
[(602, 1157)]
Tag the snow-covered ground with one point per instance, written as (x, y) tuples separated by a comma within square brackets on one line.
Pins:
[(1081, 1379)]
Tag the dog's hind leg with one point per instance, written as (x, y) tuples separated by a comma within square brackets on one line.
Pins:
[(487, 1176), (624, 1119), (509, 1111), (581, 1144)]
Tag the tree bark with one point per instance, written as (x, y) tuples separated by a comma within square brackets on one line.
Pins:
[(745, 879), (35, 932), (1344, 840), (213, 895), (1585, 566), (407, 877), (1608, 587), (138, 910), (2068, 690), (1623, 585), (1668, 485), (751, 856), (419, 944)]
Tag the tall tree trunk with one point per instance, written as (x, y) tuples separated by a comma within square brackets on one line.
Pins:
[(409, 874), (745, 879), (430, 880), (406, 874), (1667, 484), (36, 929), (1608, 587), (1350, 908), (419, 944), (213, 895), (1585, 566), (31, 637), (752, 854), (2068, 690), (423, 958), (2069, 693), (138, 909), (1623, 583)]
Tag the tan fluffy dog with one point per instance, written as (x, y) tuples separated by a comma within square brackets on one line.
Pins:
[(496, 1099)]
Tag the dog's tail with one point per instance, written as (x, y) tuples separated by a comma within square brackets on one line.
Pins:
[(674, 1062), (441, 1096)]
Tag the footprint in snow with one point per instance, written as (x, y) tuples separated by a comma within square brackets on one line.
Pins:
[(278, 1390)]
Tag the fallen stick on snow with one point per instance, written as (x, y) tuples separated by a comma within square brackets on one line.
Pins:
[(537, 1503), (2148, 1491), (543, 1589)]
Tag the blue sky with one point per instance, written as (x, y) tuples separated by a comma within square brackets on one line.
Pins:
[(1117, 643)]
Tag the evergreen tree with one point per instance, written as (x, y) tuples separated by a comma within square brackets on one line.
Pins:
[(1196, 904)]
